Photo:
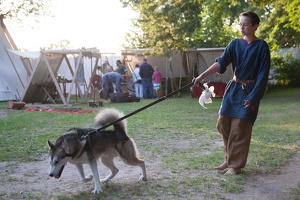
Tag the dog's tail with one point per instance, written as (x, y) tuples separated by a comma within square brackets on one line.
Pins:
[(109, 115)]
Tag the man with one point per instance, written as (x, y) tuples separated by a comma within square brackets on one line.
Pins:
[(121, 69), (250, 59), (146, 71), (107, 80)]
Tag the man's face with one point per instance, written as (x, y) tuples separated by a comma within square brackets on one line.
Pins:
[(246, 27)]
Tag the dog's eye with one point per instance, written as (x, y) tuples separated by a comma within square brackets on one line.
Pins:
[(56, 162)]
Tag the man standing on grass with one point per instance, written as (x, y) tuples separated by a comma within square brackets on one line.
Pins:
[(146, 71), (250, 59)]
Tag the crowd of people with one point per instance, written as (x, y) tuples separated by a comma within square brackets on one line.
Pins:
[(146, 80)]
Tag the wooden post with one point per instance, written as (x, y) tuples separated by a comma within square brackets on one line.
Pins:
[(11, 41), (74, 77), (54, 79)]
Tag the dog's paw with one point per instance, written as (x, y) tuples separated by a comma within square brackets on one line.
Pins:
[(87, 179), (96, 191), (142, 178), (104, 180)]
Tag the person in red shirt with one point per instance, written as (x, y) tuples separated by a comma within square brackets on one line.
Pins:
[(157, 77)]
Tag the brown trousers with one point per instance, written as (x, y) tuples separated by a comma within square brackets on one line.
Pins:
[(236, 134)]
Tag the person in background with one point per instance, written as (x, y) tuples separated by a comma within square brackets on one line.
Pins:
[(137, 82), (106, 67), (107, 80), (146, 71), (157, 77), (121, 69), (250, 59)]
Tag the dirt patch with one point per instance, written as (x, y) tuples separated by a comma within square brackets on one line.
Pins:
[(272, 186), (24, 180), (20, 180)]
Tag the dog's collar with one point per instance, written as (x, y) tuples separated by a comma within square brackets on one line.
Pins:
[(76, 154), (80, 152), (87, 135)]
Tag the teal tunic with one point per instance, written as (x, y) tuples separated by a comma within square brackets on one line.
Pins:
[(249, 62)]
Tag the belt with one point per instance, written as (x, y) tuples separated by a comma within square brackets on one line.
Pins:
[(243, 82)]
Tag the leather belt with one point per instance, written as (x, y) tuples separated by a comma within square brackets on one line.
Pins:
[(243, 82)]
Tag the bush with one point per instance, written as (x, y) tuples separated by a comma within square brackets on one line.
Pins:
[(286, 69)]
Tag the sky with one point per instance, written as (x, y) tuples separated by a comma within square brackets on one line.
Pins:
[(89, 23)]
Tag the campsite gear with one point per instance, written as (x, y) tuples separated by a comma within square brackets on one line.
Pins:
[(206, 95), (151, 104)]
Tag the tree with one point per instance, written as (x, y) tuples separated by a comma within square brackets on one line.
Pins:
[(282, 25), (20, 9), (165, 26)]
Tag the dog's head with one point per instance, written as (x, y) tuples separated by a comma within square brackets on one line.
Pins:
[(64, 150)]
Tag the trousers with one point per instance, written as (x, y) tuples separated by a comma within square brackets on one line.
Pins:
[(236, 134)]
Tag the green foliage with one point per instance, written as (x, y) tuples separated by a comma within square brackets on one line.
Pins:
[(286, 69), (280, 29), (19, 10), (166, 26)]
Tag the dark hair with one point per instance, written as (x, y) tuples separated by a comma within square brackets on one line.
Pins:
[(252, 15)]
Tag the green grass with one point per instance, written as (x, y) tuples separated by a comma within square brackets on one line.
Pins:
[(179, 133)]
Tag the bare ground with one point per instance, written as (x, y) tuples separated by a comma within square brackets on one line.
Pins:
[(20, 180)]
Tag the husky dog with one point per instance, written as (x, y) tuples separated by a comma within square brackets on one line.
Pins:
[(86, 145)]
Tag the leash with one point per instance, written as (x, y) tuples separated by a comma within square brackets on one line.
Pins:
[(151, 104), (145, 107)]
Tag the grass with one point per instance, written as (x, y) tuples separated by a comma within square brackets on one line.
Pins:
[(179, 133)]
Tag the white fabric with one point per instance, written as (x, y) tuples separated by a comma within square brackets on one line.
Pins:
[(26, 54), (206, 95)]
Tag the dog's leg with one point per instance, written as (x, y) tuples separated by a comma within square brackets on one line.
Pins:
[(130, 158), (143, 177), (81, 174), (141, 164), (108, 161), (94, 168), (134, 161)]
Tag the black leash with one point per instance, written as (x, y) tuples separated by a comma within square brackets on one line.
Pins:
[(151, 104)]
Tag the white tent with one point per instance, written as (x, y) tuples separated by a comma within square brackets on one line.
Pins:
[(13, 75), (37, 76)]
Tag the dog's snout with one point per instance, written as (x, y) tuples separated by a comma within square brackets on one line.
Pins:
[(51, 174)]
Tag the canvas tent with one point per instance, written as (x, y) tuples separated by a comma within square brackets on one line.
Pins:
[(45, 76), (135, 56), (200, 59), (13, 75), (197, 61), (170, 67), (29, 76)]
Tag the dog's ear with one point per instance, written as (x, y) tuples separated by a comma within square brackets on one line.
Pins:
[(65, 147), (73, 147), (51, 146)]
